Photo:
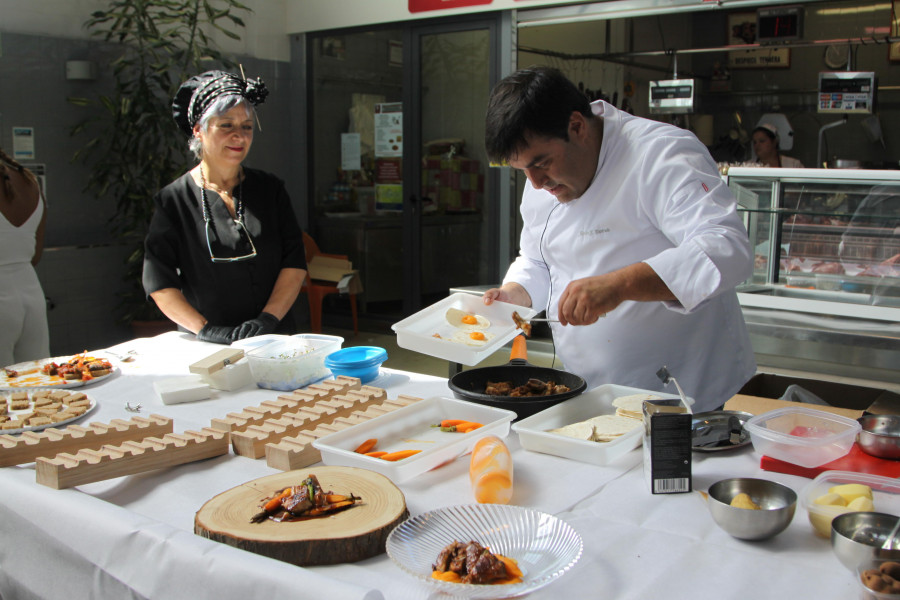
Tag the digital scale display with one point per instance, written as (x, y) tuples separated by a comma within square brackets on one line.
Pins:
[(846, 92), (671, 96)]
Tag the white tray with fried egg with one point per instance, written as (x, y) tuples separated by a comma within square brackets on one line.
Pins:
[(13, 414), (30, 375), (535, 435), (438, 330)]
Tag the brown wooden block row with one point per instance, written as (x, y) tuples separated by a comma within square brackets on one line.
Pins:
[(292, 401), (251, 442), (297, 452), (131, 457), (28, 446)]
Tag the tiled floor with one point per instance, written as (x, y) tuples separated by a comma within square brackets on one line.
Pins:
[(409, 360)]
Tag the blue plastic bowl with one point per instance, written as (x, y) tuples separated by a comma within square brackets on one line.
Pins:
[(357, 361)]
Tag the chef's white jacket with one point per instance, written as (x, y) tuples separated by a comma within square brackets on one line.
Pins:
[(657, 197)]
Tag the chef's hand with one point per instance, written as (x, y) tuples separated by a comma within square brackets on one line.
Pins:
[(511, 293), (261, 325), (217, 334), (586, 300)]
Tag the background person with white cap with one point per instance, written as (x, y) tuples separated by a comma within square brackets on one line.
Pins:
[(765, 141)]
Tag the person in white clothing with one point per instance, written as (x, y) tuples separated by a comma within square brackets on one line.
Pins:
[(24, 334), (766, 146), (630, 238)]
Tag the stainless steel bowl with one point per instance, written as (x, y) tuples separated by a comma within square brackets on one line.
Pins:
[(857, 537), (777, 505), (880, 435)]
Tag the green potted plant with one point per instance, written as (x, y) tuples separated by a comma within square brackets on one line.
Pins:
[(135, 148)]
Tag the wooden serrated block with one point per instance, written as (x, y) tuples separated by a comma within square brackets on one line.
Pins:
[(297, 452), (251, 442), (88, 466), (25, 448), (284, 403)]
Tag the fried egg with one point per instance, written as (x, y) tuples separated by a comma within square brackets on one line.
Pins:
[(471, 338), (467, 321)]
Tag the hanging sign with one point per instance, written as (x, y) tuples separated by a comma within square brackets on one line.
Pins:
[(427, 5)]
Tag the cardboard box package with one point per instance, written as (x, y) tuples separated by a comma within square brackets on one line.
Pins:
[(336, 270), (667, 446)]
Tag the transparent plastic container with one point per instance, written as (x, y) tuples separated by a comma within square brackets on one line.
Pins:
[(885, 497), (292, 362), (866, 593), (802, 436)]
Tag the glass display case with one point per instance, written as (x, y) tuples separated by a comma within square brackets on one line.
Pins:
[(827, 266)]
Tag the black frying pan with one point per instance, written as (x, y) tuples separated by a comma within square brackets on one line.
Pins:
[(470, 384)]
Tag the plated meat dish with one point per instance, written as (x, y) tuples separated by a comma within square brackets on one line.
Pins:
[(304, 501), (473, 563), (533, 387)]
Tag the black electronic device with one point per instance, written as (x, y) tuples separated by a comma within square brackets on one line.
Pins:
[(780, 24)]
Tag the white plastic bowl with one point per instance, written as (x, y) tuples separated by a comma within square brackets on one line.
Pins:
[(802, 436)]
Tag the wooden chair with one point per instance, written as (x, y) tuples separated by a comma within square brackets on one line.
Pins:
[(317, 290)]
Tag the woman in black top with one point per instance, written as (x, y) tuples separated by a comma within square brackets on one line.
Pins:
[(224, 255)]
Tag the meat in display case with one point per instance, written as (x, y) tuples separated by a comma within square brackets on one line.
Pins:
[(827, 259)]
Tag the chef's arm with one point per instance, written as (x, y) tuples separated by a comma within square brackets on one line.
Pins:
[(174, 305), (285, 292), (510, 292), (586, 300)]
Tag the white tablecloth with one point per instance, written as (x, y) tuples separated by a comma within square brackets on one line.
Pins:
[(132, 537)]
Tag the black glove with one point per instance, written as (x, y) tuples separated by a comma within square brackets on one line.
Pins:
[(261, 325), (218, 334)]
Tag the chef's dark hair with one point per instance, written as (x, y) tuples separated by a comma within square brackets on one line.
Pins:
[(536, 100)]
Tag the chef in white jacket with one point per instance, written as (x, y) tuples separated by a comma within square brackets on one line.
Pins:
[(630, 238)]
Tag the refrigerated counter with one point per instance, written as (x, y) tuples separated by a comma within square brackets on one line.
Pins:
[(825, 291)]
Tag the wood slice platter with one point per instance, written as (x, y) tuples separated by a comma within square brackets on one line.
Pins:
[(353, 534)]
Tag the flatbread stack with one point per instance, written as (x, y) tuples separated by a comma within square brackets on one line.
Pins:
[(633, 405), (606, 428)]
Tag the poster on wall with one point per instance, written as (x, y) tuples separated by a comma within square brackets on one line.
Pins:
[(389, 129), (427, 5), (742, 31)]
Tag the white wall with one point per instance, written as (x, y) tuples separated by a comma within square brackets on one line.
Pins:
[(265, 36)]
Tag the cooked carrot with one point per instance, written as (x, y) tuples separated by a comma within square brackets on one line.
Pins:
[(366, 446), (399, 455), (467, 427), (446, 576), (376, 453), (335, 498), (326, 509), (452, 422), (273, 504)]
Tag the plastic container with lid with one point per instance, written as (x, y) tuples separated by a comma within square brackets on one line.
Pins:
[(290, 362), (357, 361), (885, 496), (802, 436)]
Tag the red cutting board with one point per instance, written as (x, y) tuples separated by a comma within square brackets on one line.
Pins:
[(856, 460)]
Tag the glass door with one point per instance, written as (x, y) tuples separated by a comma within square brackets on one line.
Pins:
[(398, 178), (449, 224)]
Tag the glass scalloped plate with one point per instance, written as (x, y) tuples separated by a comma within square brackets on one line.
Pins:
[(544, 546)]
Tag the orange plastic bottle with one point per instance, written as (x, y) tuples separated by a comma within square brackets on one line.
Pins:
[(491, 471)]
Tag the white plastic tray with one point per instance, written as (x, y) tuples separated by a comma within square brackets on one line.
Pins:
[(409, 428), (417, 332), (533, 434)]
